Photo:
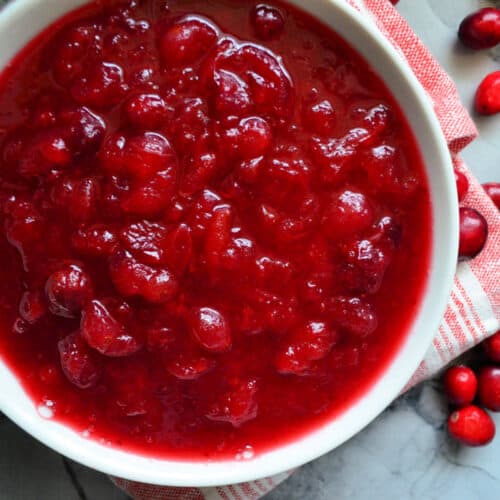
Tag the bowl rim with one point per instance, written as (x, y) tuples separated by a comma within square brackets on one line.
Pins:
[(389, 384)]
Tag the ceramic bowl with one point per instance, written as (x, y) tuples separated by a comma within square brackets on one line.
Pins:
[(21, 20)]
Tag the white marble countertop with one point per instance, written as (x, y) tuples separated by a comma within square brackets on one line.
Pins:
[(404, 454)]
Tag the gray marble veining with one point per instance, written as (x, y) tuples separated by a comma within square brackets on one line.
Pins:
[(404, 454)]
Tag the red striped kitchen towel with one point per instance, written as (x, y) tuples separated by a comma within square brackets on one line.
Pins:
[(473, 311)]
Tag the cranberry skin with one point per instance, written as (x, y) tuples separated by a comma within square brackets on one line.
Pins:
[(186, 41), (68, 290), (481, 29), (473, 232), (78, 362), (462, 184), (348, 213), (189, 366), (460, 385), (472, 426), (487, 101), (491, 347), (104, 333), (146, 111), (211, 329), (489, 388), (267, 21), (32, 307), (493, 191)]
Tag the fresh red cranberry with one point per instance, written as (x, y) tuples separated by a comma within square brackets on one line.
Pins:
[(68, 290), (104, 333), (78, 362), (267, 21), (186, 41), (307, 343), (32, 306), (349, 212), (491, 347), (489, 388), (481, 29), (100, 87), (473, 232), (493, 191), (211, 329), (460, 385), (319, 118), (462, 184), (94, 241), (487, 101), (354, 315), (133, 278), (146, 111), (472, 426), (189, 366), (237, 406)]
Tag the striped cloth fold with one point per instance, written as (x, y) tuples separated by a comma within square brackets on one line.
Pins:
[(473, 311)]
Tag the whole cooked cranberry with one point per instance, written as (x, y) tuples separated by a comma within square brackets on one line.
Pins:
[(86, 127), (354, 315), (148, 198), (473, 232), (267, 21), (103, 332), (491, 347), (349, 212), (489, 388), (140, 156), (307, 343), (186, 41), (32, 306), (101, 86), (94, 241), (78, 362), (462, 184), (231, 95), (237, 406), (254, 137), (68, 290), (487, 101), (493, 191), (146, 111), (460, 385), (363, 267), (319, 118), (481, 29), (472, 426), (211, 329), (133, 278)]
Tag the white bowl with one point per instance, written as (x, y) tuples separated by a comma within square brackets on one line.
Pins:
[(21, 20)]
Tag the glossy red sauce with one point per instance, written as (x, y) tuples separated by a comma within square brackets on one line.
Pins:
[(216, 225)]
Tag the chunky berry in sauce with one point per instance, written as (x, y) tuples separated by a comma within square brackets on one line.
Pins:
[(216, 225)]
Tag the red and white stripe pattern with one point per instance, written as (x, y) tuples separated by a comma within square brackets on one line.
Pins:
[(473, 312)]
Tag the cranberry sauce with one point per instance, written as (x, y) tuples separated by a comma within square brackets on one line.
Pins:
[(215, 225)]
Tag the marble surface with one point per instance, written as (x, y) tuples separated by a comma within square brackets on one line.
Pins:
[(404, 454)]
